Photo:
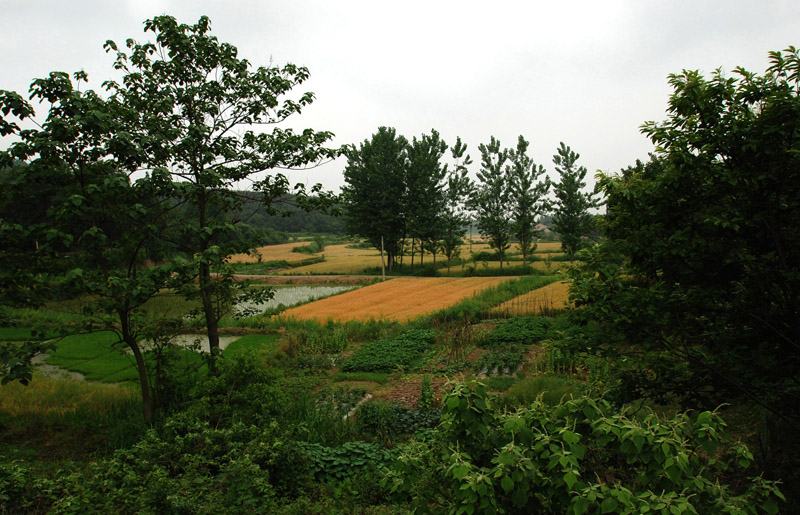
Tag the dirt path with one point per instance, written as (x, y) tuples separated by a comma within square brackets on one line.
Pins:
[(54, 371)]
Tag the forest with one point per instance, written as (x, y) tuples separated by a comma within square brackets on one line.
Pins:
[(666, 380)]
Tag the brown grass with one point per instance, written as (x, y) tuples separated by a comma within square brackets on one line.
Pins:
[(400, 299), (544, 300)]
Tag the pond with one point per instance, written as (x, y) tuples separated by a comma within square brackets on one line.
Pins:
[(291, 295)]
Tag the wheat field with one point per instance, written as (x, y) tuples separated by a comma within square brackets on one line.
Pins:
[(399, 299), (544, 300)]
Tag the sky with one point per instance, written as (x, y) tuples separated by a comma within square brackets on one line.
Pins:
[(588, 73)]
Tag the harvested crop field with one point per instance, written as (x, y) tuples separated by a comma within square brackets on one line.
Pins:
[(281, 252), (340, 260), (400, 299), (549, 298)]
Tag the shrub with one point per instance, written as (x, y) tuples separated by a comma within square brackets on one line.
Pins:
[(580, 456), (552, 390), (519, 331)]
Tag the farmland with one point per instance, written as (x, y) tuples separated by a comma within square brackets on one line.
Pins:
[(647, 362), (400, 299)]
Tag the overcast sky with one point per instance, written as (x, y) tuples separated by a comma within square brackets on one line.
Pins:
[(587, 73)]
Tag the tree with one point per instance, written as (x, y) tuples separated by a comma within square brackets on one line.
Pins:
[(455, 217), (193, 105), (571, 218), (527, 196), (424, 190), (709, 228), (491, 199), (99, 227), (375, 191)]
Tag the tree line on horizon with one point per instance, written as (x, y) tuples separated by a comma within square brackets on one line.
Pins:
[(399, 191)]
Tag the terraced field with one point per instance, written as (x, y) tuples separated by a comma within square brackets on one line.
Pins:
[(400, 299), (545, 300)]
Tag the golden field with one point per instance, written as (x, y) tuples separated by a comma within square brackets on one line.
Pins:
[(552, 297), (339, 260), (399, 299), (279, 252)]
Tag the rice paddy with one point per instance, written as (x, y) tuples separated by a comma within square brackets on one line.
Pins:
[(291, 295)]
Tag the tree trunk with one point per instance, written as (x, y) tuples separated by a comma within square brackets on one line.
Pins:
[(141, 368), (212, 324), (383, 262)]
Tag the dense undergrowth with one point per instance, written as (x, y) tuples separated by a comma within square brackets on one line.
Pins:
[(318, 418)]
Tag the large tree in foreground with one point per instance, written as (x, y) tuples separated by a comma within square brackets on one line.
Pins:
[(88, 237), (571, 217), (199, 111), (711, 232)]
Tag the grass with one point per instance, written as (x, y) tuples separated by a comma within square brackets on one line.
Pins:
[(262, 344), (95, 356), (374, 377), (15, 333), (499, 383), (552, 389), (50, 403)]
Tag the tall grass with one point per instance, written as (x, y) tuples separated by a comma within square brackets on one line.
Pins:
[(49, 403), (551, 388)]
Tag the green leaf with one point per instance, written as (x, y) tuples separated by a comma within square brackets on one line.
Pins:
[(580, 506), (507, 483), (608, 505)]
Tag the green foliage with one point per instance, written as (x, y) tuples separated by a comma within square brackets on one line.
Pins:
[(571, 217), (315, 247), (527, 195), (373, 377), (519, 331), (707, 231), (268, 266), (426, 393), (389, 421), (387, 355), (503, 361), (548, 389), (490, 200), (577, 457), (500, 383), (347, 460), (374, 192)]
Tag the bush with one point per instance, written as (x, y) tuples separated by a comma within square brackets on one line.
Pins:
[(580, 456), (519, 331), (552, 389)]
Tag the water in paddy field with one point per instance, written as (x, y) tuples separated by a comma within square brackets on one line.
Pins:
[(288, 296)]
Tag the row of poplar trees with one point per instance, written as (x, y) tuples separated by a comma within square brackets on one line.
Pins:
[(399, 191)]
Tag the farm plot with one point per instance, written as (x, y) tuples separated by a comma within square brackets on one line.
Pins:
[(397, 299), (544, 300), (281, 252), (340, 260)]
